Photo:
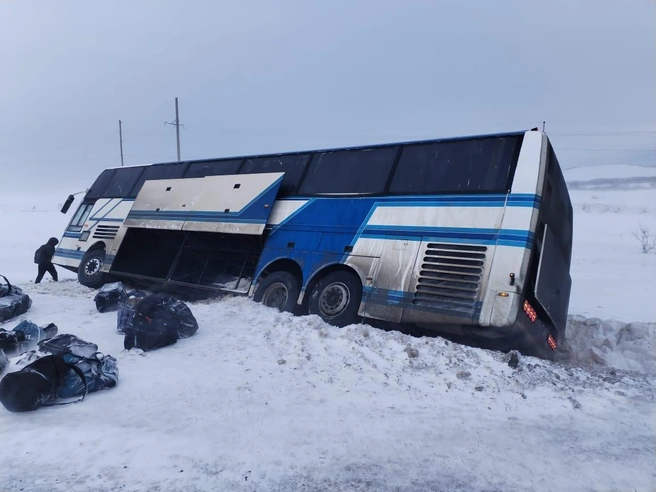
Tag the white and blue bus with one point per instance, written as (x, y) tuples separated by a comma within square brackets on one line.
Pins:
[(467, 236)]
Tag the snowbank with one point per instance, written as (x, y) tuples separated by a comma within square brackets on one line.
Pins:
[(592, 342)]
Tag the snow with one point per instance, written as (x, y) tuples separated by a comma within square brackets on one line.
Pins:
[(587, 173), (261, 400)]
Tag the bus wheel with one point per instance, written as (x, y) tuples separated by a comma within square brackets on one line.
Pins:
[(336, 298), (279, 290), (90, 273)]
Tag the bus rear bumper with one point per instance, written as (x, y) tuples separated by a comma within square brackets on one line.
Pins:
[(529, 338)]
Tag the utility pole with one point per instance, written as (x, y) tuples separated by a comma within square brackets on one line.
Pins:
[(543, 124), (120, 135), (177, 126)]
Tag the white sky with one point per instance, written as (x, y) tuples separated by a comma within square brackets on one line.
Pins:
[(258, 76)]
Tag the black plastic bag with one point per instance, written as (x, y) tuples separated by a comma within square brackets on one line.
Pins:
[(13, 301), (24, 336), (34, 385), (68, 344), (128, 309), (109, 296), (160, 319), (65, 376)]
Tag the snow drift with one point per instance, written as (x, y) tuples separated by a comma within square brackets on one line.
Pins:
[(592, 342)]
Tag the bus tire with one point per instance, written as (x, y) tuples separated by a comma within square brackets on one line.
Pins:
[(336, 298), (279, 290), (90, 273)]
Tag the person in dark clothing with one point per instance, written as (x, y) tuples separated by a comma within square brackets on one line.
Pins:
[(43, 258)]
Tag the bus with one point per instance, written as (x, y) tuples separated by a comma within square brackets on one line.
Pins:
[(468, 236)]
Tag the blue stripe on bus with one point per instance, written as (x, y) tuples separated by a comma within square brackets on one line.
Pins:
[(74, 235), (109, 219), (321, 203), (293, 214), (506, 237), (404, 299), (193, 217), (69, 253)]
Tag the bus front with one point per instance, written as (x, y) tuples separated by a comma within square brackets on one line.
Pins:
[(96, 224)]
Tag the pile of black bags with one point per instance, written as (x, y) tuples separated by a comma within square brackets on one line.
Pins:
[(63, 369), (156, 321)]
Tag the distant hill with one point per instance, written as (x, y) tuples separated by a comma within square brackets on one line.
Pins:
[(611, 177)]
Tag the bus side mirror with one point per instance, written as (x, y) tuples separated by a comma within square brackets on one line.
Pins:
[(67, 204)]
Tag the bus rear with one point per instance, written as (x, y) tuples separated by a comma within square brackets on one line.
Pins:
[(526, 300), (543, 315)]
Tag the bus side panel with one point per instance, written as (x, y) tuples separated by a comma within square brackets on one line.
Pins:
[(407, 276), (386, 265)]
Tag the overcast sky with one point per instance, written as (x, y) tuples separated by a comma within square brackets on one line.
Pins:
[(279, 75)]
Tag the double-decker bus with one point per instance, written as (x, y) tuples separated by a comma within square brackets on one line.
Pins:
[(468, 236)]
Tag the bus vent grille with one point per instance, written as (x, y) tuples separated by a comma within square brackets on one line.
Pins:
[(105, 232), (450, 277)]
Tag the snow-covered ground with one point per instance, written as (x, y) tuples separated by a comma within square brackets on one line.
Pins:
[(260, 400)]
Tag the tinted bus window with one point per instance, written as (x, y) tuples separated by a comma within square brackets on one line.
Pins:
[(463, 166), (292, 165), (349, 171), (98, 188), (213, 168), (122, 182), (160, 171)]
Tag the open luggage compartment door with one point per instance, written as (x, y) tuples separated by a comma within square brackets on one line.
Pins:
[(233, 204), (553, 283)]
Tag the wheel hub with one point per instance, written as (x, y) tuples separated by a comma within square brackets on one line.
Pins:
[(334, 299), (92, 267), (276, 296)]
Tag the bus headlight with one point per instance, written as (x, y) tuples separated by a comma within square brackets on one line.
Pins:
[(85, 235)]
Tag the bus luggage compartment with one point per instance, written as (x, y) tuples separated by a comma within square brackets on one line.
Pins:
[(211, 261)]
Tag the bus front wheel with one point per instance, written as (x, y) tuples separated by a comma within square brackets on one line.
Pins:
[(90, 273), (336, 298), (279, 290)]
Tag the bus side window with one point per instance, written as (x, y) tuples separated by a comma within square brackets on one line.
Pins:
[(80, 217), (213, 168), (292, 165), (356, 171)]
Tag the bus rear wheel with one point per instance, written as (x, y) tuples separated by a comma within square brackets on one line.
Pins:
[(336, 298), (279, 290), (90, 273)]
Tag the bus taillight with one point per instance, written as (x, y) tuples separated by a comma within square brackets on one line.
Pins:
[(530, 312), (552, 342)]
